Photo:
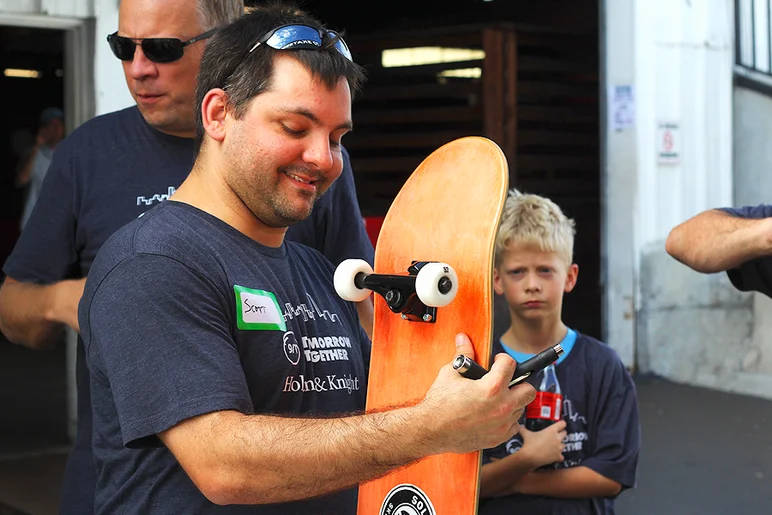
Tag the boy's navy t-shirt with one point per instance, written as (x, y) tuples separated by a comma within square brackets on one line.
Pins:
[(600, 408), (756, 274), (183, 315), (108, 172)]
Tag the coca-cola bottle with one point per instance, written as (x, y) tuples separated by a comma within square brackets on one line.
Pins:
[(546, 407)]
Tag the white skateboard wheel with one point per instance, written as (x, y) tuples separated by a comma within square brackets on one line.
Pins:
[(344, 277), (427, 284)]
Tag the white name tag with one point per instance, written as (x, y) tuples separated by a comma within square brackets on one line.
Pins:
[(258, 310)]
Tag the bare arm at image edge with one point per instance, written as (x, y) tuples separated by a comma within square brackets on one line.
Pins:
[(714, 241)]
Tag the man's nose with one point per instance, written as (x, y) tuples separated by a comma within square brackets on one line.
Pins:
[(141, 66)]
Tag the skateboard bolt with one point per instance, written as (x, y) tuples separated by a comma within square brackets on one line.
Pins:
[(427, 317), (445, 285), (404, 317), (393, 297)]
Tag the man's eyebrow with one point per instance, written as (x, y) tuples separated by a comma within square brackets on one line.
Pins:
[(348, 125)]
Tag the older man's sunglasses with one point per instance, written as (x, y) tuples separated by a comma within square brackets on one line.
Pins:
[(158, 50)]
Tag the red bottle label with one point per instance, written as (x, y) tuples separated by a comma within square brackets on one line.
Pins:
[(545, 406)]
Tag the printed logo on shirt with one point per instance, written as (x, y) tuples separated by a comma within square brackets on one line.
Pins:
[(570, 414), (310, 311), (575, 441), (258, 310), (291, 348), (326, 348), (329, 383), (318, 349), (514, 445), (407, 499), (158, 197)]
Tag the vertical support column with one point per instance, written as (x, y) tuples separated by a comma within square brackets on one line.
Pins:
[(493, 85), (510, 102), (619, 174), (111, 93), (500, 92), (79, 75)]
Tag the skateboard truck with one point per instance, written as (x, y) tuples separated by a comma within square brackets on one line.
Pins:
[(415, 296)]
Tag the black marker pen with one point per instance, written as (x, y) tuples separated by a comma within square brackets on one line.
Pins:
[(469, 368)]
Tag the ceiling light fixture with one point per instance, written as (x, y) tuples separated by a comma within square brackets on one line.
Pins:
[(22, 73)]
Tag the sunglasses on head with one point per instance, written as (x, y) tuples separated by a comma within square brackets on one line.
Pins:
[(158, 50), (288, 37)]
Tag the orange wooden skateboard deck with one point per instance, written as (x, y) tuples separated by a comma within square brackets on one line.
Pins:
[(446, 213)]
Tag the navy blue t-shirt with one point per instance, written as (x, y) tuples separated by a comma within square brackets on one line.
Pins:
[(600, 408), (756, 274), (107, 173), (184, 315)]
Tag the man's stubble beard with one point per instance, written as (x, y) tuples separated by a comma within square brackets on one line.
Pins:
[(264, 198)]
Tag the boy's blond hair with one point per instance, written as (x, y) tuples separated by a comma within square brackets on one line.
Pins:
[(534, 220)]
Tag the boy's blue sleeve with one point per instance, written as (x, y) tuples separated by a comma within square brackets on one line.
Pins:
[(617, 429), (754, 275)]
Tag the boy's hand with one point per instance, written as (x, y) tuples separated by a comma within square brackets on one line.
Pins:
[(545, 446)]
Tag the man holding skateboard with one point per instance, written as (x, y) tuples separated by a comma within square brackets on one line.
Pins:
[(114, 168), (225, 370)]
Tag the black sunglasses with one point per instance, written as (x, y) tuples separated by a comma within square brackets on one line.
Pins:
[(158, 50)]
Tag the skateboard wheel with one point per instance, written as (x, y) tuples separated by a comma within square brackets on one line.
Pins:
[(344, 277), (436, 284)]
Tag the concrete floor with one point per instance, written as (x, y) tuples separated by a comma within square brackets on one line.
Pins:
[(704, 452), (30, 485), (33, 429)]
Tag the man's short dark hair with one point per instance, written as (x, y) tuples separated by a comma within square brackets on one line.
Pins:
[(227, 62)]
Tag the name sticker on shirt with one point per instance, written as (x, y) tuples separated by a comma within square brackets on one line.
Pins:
[(258, 310)]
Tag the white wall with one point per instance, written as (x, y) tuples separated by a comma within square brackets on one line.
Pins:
[(695, 328), (684, 65), (618, 182), (110, 85), (54, 8), (677, 55)]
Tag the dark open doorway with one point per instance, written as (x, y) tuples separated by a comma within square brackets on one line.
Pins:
[(33, 391)]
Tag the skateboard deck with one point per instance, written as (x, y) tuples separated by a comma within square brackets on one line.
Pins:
[(448, 211)]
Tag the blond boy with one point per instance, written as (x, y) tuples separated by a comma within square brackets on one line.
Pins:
[(580, 463)]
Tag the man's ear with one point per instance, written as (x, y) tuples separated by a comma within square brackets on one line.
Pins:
[(213, 111)]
